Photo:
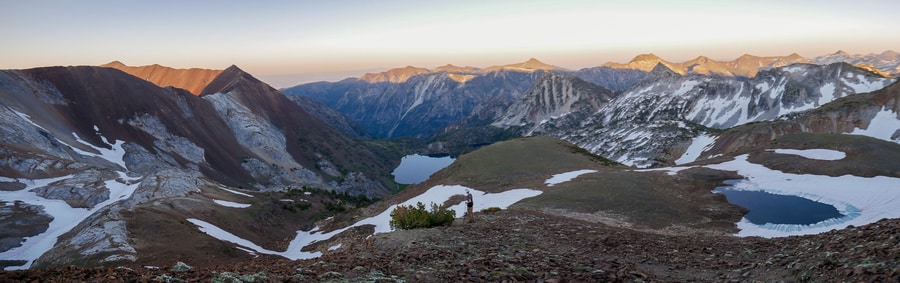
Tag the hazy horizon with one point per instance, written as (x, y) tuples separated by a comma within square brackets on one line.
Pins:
[(331, 40)]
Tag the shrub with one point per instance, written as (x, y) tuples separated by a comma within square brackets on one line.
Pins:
[(412, 217)]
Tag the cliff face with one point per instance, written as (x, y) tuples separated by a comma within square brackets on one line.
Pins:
[(555, 99)]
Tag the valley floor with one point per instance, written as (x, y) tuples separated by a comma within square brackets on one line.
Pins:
[(527, 246)]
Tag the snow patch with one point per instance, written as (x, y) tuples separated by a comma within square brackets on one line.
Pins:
[(236, 192), (335, 247), (28, 119), (115, 155), (883, 126), (828, 93), (698, 145), (231, 204), (861, 84), (565, 177), (223, 235), (249, 251), (820, 154), (685, 87)]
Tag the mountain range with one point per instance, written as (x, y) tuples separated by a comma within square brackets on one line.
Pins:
[(430, 104), (107, 165)]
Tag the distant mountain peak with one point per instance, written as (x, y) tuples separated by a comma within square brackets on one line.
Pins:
[(644, 62), (794, 56), (534, 63), (530, 65), (702, 58), (533, 60), (397, 75), (450, 68), (114, 64), (647, 57), (841, 53)]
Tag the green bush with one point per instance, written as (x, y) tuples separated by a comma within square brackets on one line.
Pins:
[(412, 217)]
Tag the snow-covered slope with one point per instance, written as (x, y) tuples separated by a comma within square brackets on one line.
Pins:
[(666, 109), (875, 114)]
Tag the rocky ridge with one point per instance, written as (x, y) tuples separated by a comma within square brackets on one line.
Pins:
[(193, 79)]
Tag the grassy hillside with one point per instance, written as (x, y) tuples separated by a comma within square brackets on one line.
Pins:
[(615, 194), (518, 163), (652, 200)]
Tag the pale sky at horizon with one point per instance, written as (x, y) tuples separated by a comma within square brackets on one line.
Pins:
[(330, 40)]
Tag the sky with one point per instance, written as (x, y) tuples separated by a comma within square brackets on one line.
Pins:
[(287, 42)]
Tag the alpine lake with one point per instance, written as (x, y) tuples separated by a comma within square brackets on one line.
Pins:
[(765, 207), (416, 168)]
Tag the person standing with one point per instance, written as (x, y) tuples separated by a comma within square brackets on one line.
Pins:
[(469, 204)]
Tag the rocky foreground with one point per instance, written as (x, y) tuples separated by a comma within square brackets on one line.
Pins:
[(526, 246)]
